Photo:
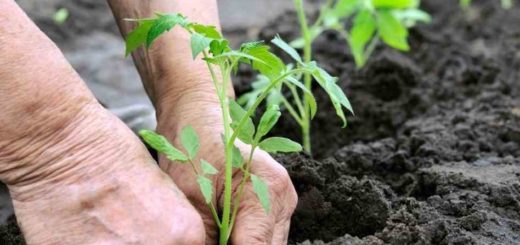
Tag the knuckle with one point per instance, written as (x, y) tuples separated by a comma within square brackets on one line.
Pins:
[(292, 201), (280, 182)]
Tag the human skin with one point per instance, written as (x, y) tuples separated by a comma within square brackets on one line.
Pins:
[(76, 174), (183, 94)]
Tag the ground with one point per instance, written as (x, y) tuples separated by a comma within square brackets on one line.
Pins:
[(432, 155)]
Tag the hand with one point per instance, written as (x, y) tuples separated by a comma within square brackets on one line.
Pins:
[(93, 182), (182, 92), (76, 174), (253, 225)]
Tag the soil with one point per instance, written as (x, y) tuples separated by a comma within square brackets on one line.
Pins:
[(432, 155)]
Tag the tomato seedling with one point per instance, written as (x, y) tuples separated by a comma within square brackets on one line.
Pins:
[(209, 45), (371, 21)]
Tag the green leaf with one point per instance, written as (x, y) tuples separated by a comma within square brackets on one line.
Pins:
[(190, 141), (297, 43), (163, 24), (395, 4), (465, 3), (138, 36), (278, 41), (336, 95), (218, 47), (207, 168), (248, 99), (240, 55), (410, 16), (270, 65), (392, 31), (345, 8), (362, 32), (161, 145), (199, 43), (247, 131), (279, 144), (206, 187), (238, 160), (268, 120), (245, 47), (60, 16), (506, 4), (313, 106), (262, 192), (207, 31)]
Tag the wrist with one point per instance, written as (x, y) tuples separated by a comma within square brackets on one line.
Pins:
[(195, 106)]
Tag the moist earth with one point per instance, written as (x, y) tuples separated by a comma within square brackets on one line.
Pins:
[(432, 155)]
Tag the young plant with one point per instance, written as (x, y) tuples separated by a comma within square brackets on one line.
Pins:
[(372, 21), (210, 46)]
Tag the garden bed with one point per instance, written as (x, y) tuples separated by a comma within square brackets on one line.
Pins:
[(432, 155)]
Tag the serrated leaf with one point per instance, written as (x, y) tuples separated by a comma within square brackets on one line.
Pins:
[(313, 106), (262, 192), (392, 31), (395, 4), (279, 144), (238, 160), (363, 30), (138, 36), (247, 131), (279, 42), (336, 95), (190, 141), (161, 145), (207, 31), (199, 43), (410, 16), (206, 187), (345, 8), (268, 120), (245, 47), (265, 62), (218, 47), (207, 168), (163, 24)]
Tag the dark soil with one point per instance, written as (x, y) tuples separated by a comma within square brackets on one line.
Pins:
[(433, 153)]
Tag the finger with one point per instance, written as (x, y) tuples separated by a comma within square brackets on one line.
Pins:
[(184, 178), (281, 231), (253, 225)]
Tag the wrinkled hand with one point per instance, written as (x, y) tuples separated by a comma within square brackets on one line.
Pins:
[(253, 225), (76, 174)]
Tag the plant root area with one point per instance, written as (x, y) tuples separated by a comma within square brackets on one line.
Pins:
[(432, 155)]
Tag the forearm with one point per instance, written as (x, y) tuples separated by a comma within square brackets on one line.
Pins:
[(43, 102), (32, 68), (167, 68)]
